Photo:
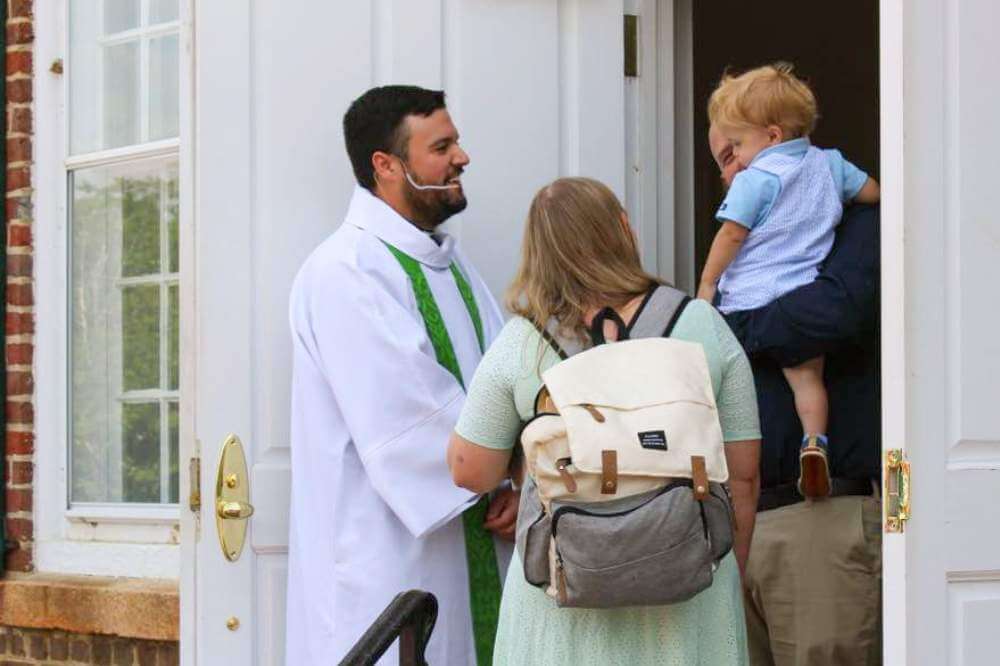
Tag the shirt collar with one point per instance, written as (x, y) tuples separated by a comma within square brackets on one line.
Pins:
[(370, 213), (793, 148)]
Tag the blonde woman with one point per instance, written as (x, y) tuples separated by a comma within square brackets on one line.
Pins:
[(579, 256)]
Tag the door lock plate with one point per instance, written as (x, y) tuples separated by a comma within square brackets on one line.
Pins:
[(232, 498), (897, 490)]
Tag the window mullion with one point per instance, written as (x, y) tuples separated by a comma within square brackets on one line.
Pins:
[(101, 139), (164, 342)]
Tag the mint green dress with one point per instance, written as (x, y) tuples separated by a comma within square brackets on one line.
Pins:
[(709, 629)]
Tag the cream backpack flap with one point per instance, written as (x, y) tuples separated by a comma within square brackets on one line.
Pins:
[(624, 502)]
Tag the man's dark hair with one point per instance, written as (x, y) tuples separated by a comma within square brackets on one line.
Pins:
[(375, 122)]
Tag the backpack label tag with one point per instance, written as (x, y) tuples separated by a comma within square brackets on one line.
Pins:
[(653, 439)]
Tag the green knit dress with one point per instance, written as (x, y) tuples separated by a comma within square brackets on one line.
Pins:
[(708, 629)]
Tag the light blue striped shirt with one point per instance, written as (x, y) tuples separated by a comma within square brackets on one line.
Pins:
[(791, 199)]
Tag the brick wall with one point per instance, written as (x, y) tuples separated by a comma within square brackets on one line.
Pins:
[(19, 326), (39, 646)]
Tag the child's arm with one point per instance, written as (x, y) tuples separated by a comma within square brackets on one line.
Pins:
[(727, 243), (869, 192)]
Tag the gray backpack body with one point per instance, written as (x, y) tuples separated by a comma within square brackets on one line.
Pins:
[(624, 503)]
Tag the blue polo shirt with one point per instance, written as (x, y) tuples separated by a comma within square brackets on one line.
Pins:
[(754, 191)]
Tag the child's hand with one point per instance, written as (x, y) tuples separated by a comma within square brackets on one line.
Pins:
[(706, 291)]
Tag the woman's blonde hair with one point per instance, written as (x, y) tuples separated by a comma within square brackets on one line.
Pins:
[(769, 95), (576, 254)]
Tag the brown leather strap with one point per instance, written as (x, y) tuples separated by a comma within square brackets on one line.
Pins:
[(699, 478), (609, 472)]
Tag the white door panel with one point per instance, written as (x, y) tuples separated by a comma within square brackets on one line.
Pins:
[(536, 90), (941, 249)]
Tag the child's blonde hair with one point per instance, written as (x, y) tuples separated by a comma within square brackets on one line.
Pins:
[(769, 95)]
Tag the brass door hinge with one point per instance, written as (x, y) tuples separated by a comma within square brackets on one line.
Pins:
[(897, 490), (194, 498), (631, 45)]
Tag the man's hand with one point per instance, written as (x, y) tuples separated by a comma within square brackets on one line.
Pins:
[(501, 516), (706, 291)]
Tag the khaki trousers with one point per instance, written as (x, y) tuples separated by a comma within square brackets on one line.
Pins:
[(814, 584)]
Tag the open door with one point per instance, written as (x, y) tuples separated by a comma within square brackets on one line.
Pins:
[(941, 350), (536, 90)]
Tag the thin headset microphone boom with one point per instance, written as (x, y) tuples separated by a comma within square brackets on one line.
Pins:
[(426, 187)]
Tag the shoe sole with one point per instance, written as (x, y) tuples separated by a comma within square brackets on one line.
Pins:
[(815, 473)]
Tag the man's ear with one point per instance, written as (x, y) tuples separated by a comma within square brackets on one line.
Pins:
[(385, 167), (775, 134)]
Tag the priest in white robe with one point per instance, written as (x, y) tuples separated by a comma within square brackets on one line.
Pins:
[(376, 395)]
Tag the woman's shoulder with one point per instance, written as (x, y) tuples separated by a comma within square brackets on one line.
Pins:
[(698, 314)]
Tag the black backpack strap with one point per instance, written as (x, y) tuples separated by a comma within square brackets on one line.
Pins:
[(549, 338), (659, 313), (597, 326)]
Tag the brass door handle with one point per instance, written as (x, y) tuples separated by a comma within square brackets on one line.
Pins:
[(232, 498), (234, 510)]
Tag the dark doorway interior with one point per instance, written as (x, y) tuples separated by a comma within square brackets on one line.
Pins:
[(833, 45)]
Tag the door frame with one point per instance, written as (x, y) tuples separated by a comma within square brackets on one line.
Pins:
[(892, 111), (189, 446)]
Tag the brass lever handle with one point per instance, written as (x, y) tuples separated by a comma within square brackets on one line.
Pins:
[(234, 510)]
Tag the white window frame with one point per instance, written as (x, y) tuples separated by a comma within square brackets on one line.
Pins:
[(97, 539)]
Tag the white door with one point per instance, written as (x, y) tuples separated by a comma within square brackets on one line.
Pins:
[(941, 347), (536, 89)]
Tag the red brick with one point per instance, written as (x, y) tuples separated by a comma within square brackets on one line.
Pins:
[(20, 353), (19, 120), (20, 294), (20, 8), (18, 235), (22, 443), (19, 149), (21, 472), (19, 91), (20, 383), (20, 322), (18, 499), (20, 265), (20, 412), (20, 529), (20, 33), (20, 559), (18, 177), (19, 62)]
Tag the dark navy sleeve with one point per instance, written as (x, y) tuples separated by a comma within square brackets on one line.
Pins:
[(837, 307)]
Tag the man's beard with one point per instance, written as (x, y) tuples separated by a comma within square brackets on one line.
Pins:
[(432, 207)]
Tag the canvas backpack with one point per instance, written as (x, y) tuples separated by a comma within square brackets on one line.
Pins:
[(624, 502)]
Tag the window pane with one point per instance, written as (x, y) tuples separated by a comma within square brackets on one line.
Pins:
[(141, 225), (115, 76), (163, 73), (140, 337), (141, 452), (173, 420), (173, 342), (173, 219), (162, 11), (119, 15), (120, 339), (121, 95)]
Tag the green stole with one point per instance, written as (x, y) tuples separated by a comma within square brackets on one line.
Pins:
[(484, 575)]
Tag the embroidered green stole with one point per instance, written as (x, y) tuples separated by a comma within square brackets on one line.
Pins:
[(484, 574)]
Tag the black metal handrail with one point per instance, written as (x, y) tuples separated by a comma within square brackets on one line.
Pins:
[(410, 618)]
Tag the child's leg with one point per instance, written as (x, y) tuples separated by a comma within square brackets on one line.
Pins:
[(806, 381)]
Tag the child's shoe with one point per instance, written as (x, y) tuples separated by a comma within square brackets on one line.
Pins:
[(814, 469)]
